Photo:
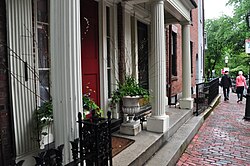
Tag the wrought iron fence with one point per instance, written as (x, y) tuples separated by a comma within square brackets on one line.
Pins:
[(92, 148), (94, 141), (205, 94)]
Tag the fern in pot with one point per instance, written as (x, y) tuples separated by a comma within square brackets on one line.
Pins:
[(130, 93)]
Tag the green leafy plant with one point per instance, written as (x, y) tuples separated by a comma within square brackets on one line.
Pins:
[(130, 87), (89, 105), (44, 116)]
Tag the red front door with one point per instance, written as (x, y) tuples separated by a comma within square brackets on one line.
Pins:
[(89, 49)]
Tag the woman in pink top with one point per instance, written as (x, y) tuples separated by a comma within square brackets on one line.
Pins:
[(240, 85)]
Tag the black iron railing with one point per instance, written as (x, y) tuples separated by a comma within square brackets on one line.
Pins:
[(205, 94), (51, 157), (93, 147), (213, 86), (95, 141)]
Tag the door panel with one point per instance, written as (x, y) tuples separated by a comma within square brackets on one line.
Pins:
[(1, 150), (89, 48), (143, 54), (6, 148)]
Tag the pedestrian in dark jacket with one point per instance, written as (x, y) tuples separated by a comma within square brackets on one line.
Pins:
[(226, 83)]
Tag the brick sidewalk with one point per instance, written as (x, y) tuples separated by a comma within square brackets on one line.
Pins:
[(224, 138)]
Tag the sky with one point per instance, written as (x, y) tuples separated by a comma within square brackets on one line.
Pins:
[(215, 8)]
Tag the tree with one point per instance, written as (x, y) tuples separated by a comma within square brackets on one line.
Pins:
[(218, 32), (240, 29), (226, 37)]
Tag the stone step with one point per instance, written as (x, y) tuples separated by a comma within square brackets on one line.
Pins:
[(147, 143), (170, 153), (173, 149)]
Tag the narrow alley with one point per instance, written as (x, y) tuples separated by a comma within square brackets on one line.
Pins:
[(224, 138)]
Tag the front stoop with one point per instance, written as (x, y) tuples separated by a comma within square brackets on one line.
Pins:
[(163, 149), (147, 143), (170, 153)]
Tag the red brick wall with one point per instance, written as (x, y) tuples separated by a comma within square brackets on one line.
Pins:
[(6, 148), (177, 81), (194, 39)]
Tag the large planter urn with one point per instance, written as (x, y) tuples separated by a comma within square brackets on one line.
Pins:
[(130, 106), (47, 135)]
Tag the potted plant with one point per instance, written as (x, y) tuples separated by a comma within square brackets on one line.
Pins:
[(44, 120), (130, 93), (90, 108)]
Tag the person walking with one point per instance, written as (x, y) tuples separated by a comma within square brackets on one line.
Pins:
[(240, 85), (226, 83)]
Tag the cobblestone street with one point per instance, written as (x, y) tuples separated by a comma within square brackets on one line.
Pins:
[(224, 138)]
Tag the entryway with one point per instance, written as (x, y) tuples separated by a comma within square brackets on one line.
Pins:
[(89, 49)]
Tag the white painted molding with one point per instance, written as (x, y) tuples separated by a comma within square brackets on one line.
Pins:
[(177, 9), (188, 4)]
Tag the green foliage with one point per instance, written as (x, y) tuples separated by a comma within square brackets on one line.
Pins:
[(89, 105), (226, 37), (43, 116), (130, 87)]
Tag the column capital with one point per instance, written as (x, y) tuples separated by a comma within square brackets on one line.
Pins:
[(128, 6), (156, 1), (185, 22)]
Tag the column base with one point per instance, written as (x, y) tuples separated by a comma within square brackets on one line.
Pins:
[(158, 124), (186, 103), (132, 128)]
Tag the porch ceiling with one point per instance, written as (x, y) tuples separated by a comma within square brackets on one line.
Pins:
[(136, 1), (175, 10), (169, 18), (178, 10), (188, 3)]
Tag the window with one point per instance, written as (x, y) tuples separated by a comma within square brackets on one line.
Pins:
[(142, 32), (174, 53), (43, 50), (108, 52), (191, 17), (191, 55)]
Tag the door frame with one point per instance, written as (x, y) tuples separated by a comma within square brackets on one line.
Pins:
[(104, 99)]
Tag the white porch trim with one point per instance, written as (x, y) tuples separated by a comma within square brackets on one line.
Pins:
[(186, 101), (159, 121), (65, 71)]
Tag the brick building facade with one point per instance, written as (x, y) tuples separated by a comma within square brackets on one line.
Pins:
[(17, 102), (6, 150), (176, 81)]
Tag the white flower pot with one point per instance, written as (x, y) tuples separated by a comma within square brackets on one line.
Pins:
[(130, 106), (49, 137)]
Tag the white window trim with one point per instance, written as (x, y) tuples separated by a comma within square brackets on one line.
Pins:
[(38, 25), (104, 100)]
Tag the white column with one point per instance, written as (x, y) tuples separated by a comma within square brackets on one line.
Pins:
[(159, 121), (186, 101), (65, 49), (127, 38)]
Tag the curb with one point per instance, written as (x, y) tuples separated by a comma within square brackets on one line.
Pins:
[(170, 153)]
